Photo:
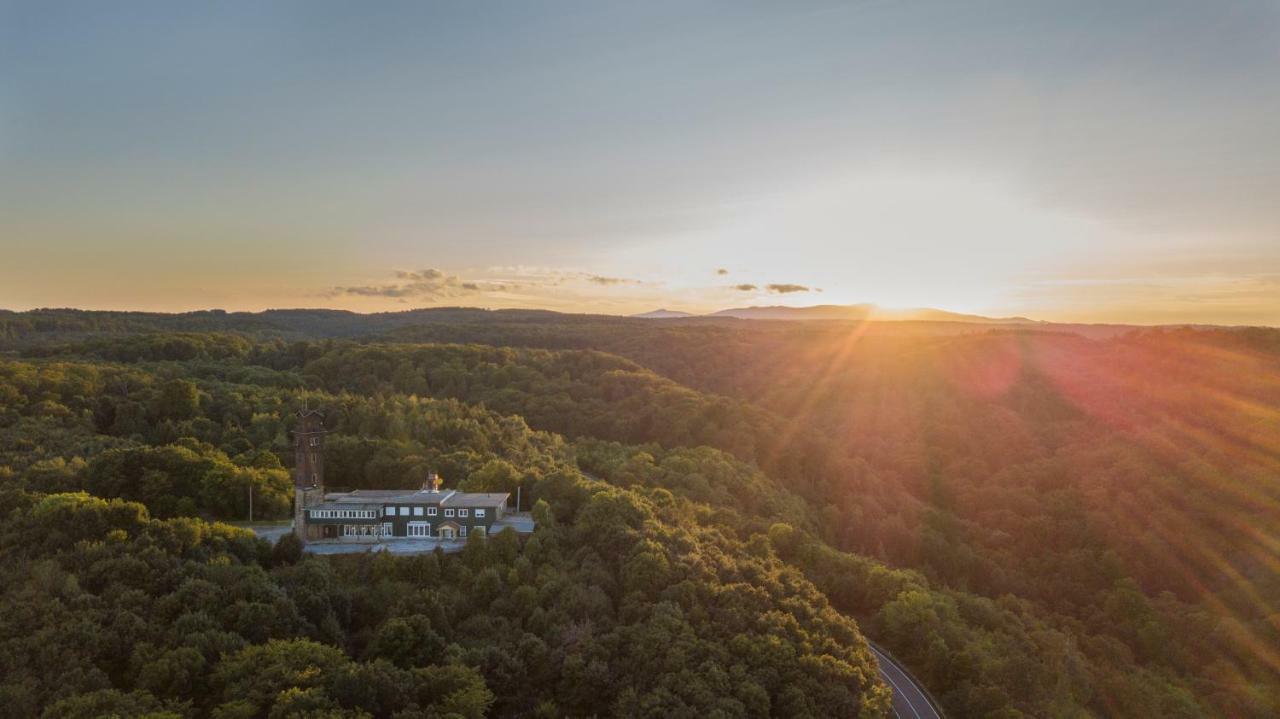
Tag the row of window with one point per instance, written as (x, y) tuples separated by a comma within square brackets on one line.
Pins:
[(420, 530), (344, 514), (431, 512), (387, 511), (362, 530)]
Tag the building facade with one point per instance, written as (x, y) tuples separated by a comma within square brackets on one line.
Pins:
[(374, 515), (421, 514)]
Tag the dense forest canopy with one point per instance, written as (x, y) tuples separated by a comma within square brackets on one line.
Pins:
[(1042, 522)]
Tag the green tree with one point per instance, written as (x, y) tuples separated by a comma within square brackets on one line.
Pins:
[(177, 399)]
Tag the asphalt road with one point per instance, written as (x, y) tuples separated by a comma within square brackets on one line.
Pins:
[(909, 700)]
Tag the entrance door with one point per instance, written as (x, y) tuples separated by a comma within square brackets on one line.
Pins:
[(448, 533)]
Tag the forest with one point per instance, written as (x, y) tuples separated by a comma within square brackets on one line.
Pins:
[(1042, 522)]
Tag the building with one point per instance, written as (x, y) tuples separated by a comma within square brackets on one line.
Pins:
[(379, 514), (372, 515)]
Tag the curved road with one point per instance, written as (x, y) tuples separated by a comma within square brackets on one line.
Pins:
[(909, 700)]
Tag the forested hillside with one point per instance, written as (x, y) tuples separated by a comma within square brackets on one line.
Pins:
[(1037, 523), (626, 601)]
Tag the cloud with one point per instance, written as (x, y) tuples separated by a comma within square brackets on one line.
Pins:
[(426, 284), (421, 275), (368, 291), (600, 280), (510, 286), (785, 288), (722, 271), (779, 288)]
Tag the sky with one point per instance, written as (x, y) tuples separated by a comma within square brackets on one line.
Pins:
[(1081, 161)]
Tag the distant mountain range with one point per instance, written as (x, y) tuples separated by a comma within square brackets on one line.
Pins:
[(841, 312), (663, 315)]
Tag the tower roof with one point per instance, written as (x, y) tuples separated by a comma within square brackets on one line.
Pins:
[(310, 421)]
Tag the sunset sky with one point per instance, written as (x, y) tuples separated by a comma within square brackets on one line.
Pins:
[(1109, 161)]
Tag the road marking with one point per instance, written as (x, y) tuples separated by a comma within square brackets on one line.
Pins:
[(903, 694), (910, 704)]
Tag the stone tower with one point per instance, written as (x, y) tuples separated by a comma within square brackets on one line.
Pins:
[(308, 467)]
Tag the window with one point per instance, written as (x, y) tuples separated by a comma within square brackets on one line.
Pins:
[(417, 511), (431, 511), (389, 511), (420, 530), (315, 441), (462, 512), (462, 532), (404, 511), (479, 513), (387, 529), (313, 457), (315, 479), (448, 512)]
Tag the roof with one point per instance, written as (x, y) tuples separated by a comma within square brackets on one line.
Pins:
[(447, 498), (348, 505), (476, 499)]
